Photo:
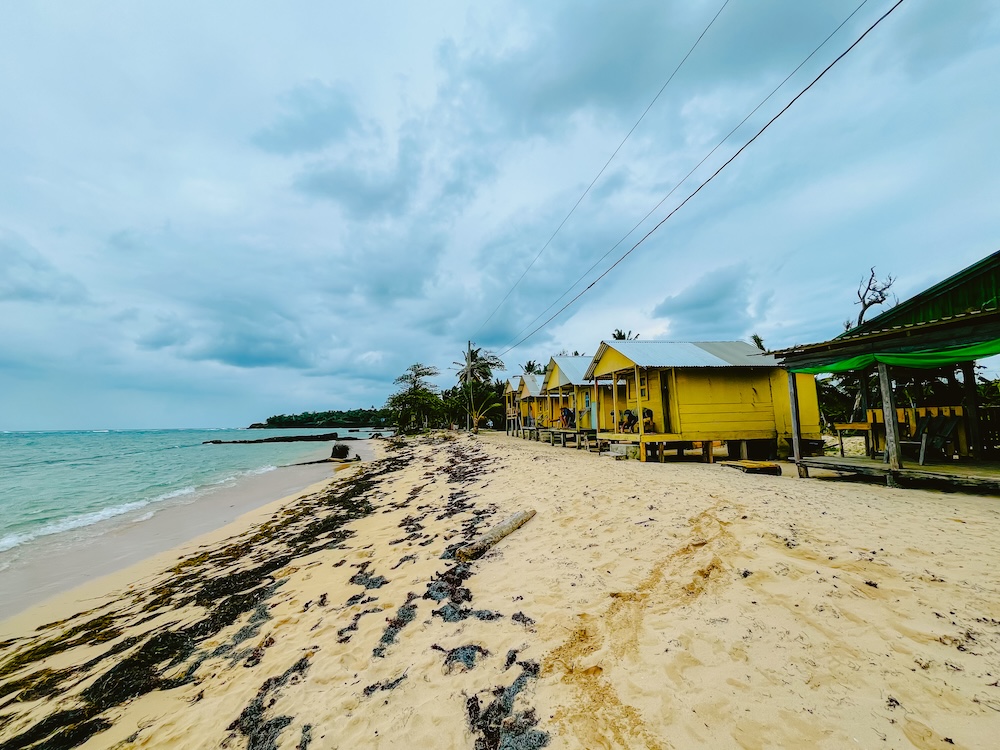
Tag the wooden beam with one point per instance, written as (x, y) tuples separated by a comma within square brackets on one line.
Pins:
[(614, 398), (638, 408), (972, 408), (891, 423), (793, 400)]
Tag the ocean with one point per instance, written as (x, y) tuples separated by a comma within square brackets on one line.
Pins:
[(61, 485)]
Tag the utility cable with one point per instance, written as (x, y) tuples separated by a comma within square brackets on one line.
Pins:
[(606, 164), (688, 175), (710, 178)]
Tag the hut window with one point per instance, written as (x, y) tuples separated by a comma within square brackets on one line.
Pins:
[(586, 400), (642, 387)]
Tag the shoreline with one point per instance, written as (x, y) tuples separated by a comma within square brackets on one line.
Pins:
[(53, 565), (645, 605)]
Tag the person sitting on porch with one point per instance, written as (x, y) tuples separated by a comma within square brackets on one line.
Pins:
[(567, 417), (629, 421), (647, 420)]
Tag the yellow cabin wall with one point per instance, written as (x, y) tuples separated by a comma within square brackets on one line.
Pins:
[(726, 403), (808, 404), (715, 403)]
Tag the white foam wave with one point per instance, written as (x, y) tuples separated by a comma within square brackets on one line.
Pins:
[(89, 519), (68, 524)]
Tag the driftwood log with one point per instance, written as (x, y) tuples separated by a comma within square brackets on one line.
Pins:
[(478, 548)]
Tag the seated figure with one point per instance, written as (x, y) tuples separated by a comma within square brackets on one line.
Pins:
[(647, 421), (629, 421), (567, 417)]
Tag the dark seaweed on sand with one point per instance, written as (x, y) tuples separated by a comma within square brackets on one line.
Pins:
[(225, 582), (498, 725)]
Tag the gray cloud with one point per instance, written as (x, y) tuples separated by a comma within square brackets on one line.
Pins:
[(26, 276), (366, 190), (722, 304), (315, 115)]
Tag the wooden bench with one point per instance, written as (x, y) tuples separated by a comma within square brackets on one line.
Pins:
[(842, 427)]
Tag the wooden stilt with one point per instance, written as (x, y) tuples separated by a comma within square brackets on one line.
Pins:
[(972, 408), (889, 412), (793, 399)]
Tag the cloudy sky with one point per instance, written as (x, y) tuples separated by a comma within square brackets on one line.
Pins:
[(215, 212)]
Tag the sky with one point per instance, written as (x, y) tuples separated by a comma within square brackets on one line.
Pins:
[(211, 213)]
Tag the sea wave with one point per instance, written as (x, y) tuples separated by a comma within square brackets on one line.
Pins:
[(16, 539)]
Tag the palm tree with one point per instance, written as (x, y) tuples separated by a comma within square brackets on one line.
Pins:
[(531, 367), (476, 369), (477, 366), (620, 335), (758, 342)]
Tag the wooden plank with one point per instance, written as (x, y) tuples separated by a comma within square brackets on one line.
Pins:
[(754, 467)]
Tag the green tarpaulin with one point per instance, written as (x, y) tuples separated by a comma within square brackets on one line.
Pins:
[(920, 360)]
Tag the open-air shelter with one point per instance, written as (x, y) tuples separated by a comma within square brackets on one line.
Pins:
[(940, 331)]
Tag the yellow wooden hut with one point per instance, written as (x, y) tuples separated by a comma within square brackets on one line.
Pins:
[(677, 393), (530, 402), (566, 386), (511, 406)]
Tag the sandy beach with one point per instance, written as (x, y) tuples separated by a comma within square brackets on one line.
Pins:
[(644, 606)]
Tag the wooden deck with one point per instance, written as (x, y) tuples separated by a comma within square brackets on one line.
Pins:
[(980, 475)]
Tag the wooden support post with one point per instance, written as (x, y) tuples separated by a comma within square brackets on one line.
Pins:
[(660, 451), (708, 452), (793, 400), (891, 424), (614, 399), (638, 414), (744, 453), (972, 408)]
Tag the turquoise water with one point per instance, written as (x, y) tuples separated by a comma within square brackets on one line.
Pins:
[(56, 482)]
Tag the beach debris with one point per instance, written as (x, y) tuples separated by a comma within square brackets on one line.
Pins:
[(511, 658), (258, 653), (523, 619), (343, 635), (404, 616), (479, 547), (362, 578), (463, 655), (404, 559), (262, 733), (306, 737), (498, 725), (387, 685), (872, 584)]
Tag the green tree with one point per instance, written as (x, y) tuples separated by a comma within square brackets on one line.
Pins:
[(417, 402), (531, 367)]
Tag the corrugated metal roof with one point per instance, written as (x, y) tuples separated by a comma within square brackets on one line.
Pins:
[(572, 370), (686, 354), (531, 384)]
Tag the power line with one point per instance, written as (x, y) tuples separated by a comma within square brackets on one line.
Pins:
[(691, 172), (710, 178), (606, 164)]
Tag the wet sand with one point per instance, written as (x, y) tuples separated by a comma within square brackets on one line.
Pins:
[(644, 606)]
